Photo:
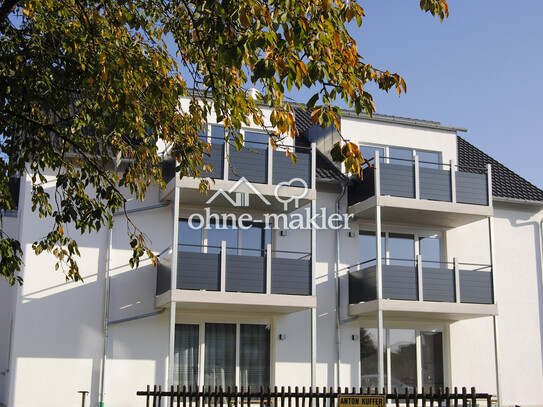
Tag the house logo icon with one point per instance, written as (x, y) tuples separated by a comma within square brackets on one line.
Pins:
[(241, 196)]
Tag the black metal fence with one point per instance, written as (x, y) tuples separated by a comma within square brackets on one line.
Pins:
[(267, 397)]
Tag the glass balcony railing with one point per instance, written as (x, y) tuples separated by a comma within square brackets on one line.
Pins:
[(227, 269), (418, 280)]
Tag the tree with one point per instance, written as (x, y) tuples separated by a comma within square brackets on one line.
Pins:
[(87, 84)]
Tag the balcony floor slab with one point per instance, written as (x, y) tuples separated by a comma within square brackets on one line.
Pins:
[(422, 310), (420, 211), (247, 303)]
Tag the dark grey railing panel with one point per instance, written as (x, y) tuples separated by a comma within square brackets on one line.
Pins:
[(435, 184), (471, 188), (216, 160), (290, 276), (199, 271), (438, 284), (362, 285), (476, 287), (163, 275), (400, 282), (245, 274), (285, 170), (360, 190), (397, 180), (251, 164)]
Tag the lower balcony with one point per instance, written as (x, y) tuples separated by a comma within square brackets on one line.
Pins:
[(232, 279), (429, 290)]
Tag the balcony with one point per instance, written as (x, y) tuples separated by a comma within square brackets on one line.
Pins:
[(271, 174), (430, 290), (249, 280), (429, 194)]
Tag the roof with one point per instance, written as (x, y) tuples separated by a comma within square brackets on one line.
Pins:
[(505, 183), (325, 170)]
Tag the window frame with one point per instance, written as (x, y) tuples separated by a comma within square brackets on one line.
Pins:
[(419, 329), (193, 320)]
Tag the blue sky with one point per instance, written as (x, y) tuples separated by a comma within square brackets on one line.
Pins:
[(480, 69)]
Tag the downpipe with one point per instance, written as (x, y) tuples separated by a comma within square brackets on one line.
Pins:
[(107, 295)]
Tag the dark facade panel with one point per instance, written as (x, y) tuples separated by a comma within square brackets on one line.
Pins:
[(163, 275), (362, 189), (476, 287), (199, 271), (245, 274), (251, 164), (290, 276), (471, 188), (397, 180), (438, 284), (435, 184), (362, 285), (400, 282), (285, 170)]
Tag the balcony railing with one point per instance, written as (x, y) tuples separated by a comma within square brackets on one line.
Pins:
[(226, 269), (419, 280), (423, 180), (258, 163)]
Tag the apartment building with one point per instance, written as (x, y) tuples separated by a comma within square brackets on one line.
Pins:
[(425, 273)]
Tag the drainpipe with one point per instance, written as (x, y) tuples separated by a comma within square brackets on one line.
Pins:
[(107, 294), (337, 287)]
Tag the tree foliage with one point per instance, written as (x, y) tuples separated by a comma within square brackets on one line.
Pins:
[(88, 89)]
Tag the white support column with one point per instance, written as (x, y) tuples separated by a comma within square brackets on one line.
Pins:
[(268, 267), (456, 280), (378, 253), (380, 351), (495, 317), (313, 166), (419, 277), (489, 183), (313, 283), (417, 177), (270, 164), (173, 285), (377, 180), (226, 161), (223, 266), (453, 181)]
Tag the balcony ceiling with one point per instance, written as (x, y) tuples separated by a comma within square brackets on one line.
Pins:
[(420, 212), (247, 303), (422, 310), (256, 197)]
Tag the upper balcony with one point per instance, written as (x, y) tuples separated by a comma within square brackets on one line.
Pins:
[(425, 289), (221, 278), (255, 169), (422, 193)]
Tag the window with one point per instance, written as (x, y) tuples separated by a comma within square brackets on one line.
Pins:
[(254, 140), (248, 241), (399, 249), (219, 358), (403, 156), (403, 367)]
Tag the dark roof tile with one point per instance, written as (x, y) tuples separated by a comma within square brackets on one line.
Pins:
[(505, 183)]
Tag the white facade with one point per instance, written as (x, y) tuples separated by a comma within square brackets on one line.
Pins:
[(52, 341)]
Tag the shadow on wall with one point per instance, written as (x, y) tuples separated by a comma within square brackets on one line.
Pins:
[(62, 329)]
